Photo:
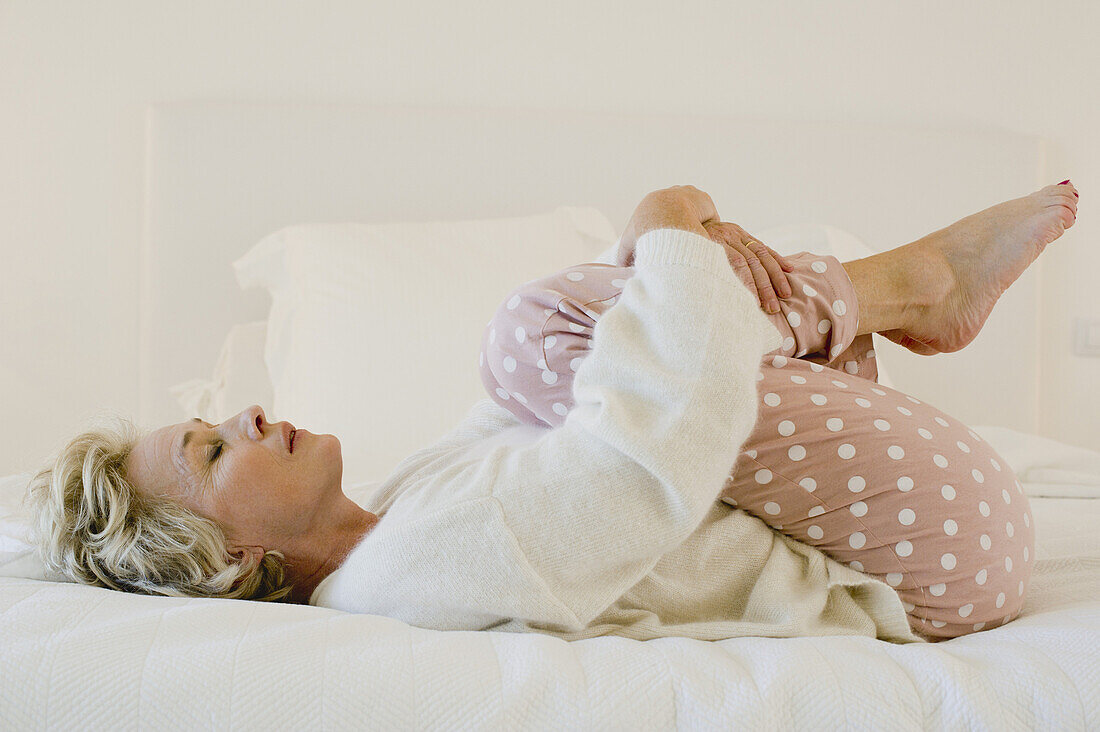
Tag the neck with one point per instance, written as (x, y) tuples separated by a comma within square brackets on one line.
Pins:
[(346, 536)]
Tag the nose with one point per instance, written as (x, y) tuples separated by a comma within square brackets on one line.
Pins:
[(253, 421)]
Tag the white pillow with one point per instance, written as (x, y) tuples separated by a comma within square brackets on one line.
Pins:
[(375, 329), (241, 378), (18, 556)]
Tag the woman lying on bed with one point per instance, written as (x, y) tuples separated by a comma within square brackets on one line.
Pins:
[(594, 493)]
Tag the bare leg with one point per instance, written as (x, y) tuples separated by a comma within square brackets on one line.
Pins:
[(886, 290), (934, 295)]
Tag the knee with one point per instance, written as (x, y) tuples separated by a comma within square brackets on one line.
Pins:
[(976, 575)]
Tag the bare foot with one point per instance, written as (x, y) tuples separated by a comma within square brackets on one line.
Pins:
[(978, 257)]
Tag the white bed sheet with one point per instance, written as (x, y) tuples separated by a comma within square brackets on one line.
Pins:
[(76, 656), (82, 656)]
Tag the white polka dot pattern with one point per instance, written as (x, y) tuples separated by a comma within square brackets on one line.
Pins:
[(887, 482), (874, 478)]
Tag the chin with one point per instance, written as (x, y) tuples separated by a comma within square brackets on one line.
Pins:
[(334, 445), (330, 446)]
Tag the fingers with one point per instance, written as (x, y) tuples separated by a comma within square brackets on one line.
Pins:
[(761, 269), (761, 274), (783, 261), (739, 259), (773, 262), (744, 273)]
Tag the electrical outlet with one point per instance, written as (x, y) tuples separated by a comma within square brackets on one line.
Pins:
[(1086, 341)]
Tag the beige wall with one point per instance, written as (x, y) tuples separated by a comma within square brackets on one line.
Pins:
[(75, 78)]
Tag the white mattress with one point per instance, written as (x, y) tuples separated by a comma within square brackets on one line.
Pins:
[(76, 656)]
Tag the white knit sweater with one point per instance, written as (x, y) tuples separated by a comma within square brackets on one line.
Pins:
[(610, 523)]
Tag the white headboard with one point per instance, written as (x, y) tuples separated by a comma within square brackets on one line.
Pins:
[(222, 175)]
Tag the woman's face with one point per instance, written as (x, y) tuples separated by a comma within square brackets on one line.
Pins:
[(245, 475)]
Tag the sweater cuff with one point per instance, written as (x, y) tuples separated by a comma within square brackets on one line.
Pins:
[(679, 246)]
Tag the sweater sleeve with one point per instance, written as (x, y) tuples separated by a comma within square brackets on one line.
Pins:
[(663, 404)]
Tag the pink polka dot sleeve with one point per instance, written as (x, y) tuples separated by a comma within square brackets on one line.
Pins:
[(538, 337)]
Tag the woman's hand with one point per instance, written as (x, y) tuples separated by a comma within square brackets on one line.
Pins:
[(700, 201), (678, 207), (687, 207), (760, 268)]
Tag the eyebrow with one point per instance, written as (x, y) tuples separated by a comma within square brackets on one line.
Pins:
[(181, 453)]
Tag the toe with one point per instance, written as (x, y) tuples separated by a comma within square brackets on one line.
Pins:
[(1066, 187), (1067, 212), (1063, 197), (1070, 202)]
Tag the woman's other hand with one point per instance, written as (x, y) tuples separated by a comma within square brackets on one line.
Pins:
[(759, 267)]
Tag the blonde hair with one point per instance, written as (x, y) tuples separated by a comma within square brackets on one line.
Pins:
[(93, 526)]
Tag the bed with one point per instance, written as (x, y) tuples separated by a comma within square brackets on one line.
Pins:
[(496, 197)]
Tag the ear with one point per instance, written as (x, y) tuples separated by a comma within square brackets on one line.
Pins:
[(257, 552)]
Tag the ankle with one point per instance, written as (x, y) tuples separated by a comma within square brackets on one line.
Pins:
[(925, 277), (897, 287)]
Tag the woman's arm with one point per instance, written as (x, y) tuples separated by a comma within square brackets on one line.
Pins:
[(662, 405), (531, 375)]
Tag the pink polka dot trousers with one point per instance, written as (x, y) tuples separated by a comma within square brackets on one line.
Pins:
[(874, 478)]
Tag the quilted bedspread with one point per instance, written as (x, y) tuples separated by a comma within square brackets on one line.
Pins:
[(89, 658), (77, 657)]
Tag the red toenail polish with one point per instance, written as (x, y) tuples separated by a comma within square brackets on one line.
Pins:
[(1064, 182)]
